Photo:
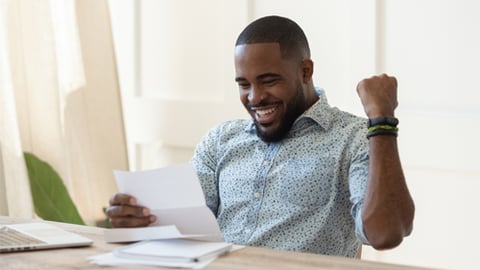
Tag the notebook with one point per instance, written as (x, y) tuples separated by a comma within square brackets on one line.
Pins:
[(37, 235)]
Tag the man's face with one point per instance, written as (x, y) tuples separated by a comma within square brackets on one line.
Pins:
[(270, 88)]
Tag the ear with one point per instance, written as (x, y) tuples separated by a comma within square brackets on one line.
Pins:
[(307, 70)]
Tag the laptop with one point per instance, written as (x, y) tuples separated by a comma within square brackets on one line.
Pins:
[(38, 235)]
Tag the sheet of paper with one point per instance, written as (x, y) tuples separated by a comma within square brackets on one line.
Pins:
[(175, 196), (179, 250), (138, 234), (109, 259), (164, 188)]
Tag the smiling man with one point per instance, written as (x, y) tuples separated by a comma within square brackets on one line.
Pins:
[(270, 88), (300, 175)]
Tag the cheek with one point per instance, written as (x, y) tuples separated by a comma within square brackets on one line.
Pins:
[(242, 93), (244, 98), (284, 92)]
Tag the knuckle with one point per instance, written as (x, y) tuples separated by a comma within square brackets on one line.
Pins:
[(138, 211), (108, 211), (114, 222), (123, 222), (126, 222), (116, 199), (120, 222), (120, 199), (112, 211), (111, 201), (124, 211)]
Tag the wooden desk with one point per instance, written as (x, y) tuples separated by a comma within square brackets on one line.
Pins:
[(251, 258)]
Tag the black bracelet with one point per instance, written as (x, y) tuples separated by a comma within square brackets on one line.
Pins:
[(390, 132), (383, 120)]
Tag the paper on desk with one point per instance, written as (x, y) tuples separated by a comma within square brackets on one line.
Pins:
[(174, 250), (109, 259), (175, 196)]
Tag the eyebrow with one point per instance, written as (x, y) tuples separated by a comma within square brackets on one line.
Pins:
[(260, 77), (267, 75)]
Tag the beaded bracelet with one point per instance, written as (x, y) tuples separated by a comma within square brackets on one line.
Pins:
[(383, 120), (382, 130)]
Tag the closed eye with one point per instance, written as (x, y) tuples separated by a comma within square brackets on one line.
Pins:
[(270, 82), (244, 85), (269, 79)]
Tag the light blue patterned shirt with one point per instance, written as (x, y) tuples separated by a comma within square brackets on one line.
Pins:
[(304, 193)]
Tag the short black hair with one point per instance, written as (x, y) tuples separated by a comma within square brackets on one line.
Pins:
[(276, 29)]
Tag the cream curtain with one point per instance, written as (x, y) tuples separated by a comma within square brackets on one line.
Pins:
[(15, 197), (63, 99)]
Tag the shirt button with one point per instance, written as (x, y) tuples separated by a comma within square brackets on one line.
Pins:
[(256, 194), (266, 163), (247, 231)]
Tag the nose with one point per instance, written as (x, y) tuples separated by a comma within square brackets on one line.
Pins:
[(255, 95)]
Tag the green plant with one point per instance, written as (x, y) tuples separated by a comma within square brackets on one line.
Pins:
[(50, 197)]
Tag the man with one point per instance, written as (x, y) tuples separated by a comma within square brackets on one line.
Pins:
[(300, 175)]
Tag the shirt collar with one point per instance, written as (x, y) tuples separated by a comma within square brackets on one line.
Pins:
[(319, 112)]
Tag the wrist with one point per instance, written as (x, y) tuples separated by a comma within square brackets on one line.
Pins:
[(383, 125), (374, 112), (383, 120)]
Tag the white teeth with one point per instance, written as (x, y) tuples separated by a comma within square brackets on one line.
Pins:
[(264, 112)]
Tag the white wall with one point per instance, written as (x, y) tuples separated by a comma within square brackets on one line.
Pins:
[(176, 75), (176, 72), (432, 47)]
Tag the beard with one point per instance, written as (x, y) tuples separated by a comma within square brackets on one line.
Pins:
[(295, 108)]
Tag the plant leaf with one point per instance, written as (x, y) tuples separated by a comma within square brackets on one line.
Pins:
[(50, 197)]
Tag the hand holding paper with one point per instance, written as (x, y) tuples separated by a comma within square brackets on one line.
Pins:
[(175, 197)]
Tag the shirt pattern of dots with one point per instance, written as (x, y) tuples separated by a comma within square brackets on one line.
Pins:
[(304, 193)]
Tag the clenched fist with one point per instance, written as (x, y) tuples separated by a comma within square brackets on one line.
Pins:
[(378, 95)]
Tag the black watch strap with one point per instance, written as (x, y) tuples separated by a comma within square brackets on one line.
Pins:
[(383, 120)]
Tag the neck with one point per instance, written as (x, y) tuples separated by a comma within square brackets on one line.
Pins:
[(311, 95)]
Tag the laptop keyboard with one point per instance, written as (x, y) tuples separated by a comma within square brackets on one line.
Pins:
[(10, 237)]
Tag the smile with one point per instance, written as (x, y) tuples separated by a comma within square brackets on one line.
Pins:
[(266, 111), (265, 115)]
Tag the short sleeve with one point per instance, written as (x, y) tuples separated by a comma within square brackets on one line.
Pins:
[(358, 176), (204, 161)]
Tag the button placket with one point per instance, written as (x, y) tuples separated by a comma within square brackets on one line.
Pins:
[(258, 187)]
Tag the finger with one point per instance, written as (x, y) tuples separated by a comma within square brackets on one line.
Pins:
[(394, 82), (390, 79), (120, 222), (127, 210), (122, 199)]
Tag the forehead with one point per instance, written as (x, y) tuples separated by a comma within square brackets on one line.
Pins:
[(258, 57), (257, 50)]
